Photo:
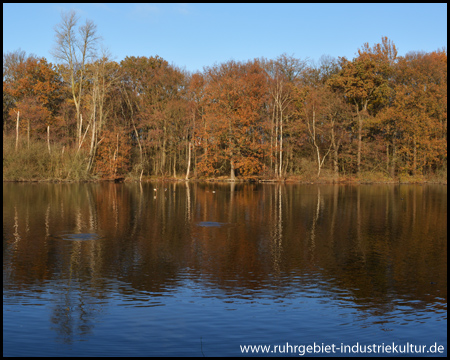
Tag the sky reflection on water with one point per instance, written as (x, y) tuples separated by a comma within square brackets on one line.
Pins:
[(280, 263)]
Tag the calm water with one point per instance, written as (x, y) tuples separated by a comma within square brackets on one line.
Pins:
[(124, 270)]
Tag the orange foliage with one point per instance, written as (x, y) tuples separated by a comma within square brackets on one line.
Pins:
[(36, 91), (246, 119), (233, 134), (113, 154)]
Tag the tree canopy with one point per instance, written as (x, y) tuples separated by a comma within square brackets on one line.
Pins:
[(255, 119)]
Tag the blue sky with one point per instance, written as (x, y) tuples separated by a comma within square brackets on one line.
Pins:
[(192, 36)]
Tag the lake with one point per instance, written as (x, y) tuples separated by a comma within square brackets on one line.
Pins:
[(203, 269)]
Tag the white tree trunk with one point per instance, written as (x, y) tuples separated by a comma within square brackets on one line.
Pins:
[(17, 131)]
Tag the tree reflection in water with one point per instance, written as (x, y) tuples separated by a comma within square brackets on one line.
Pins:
[(360, 245)]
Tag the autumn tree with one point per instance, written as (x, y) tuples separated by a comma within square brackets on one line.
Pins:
[(105, 77), (322, 111), (196, 97), (155, 95), (415, 123), (331, 118), (10, 62), (365, 82), (235, 94), (283, 75), (175, 118), (136, 87), (269, 118), (75, 51), (113, 153), (35, 91), (337, 109)]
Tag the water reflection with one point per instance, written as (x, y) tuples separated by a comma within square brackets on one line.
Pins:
[(371, 254)]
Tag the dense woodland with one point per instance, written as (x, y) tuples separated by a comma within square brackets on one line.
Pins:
[(89, 117)]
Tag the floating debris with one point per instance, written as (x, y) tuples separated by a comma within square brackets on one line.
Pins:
[(78, 237), (210, 224)]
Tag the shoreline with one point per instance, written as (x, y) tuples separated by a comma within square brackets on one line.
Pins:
[(343, 181)]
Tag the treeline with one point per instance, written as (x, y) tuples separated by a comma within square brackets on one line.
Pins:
[(269, 119)]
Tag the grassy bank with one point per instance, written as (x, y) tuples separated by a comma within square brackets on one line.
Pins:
[(34, 162)]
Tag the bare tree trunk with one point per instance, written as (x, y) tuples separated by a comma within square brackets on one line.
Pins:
[(358, 161), (414, 156), (230, 146), (232, 172), (163, 152), (82, 140), (67, 44), (387, 157), (116, 155), (17, 131), (174, 164), (280, 173), (189, 161), (95, 98), (336, 163), (134, 126), (335, 153), (312, 132), (271, 137), (92, 151), (276, 140), (80, 125), (28, 132), (139, 143), (48, 138)]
